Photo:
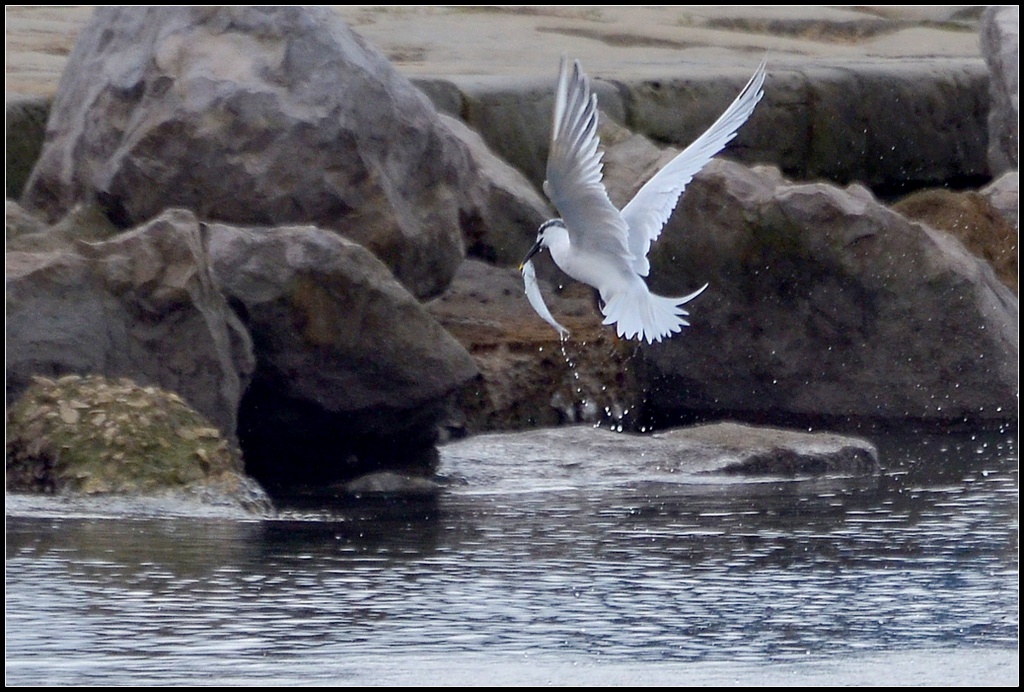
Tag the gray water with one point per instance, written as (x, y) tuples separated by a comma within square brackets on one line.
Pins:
[(910, 577)]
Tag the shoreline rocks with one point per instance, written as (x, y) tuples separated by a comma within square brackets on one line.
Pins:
[(315, 303), (254, 116), (352, 373), (83, 298)]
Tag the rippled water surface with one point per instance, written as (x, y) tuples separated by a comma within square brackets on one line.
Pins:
[(908, 577)]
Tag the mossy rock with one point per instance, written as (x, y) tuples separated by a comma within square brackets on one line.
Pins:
[(90, 435)]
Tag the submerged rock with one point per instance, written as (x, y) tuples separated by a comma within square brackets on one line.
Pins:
[(588, 455), (94, 436), (391, 485), (759, 450)]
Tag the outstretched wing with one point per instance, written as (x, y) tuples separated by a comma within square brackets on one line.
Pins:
[(573, 174), (647, 213)]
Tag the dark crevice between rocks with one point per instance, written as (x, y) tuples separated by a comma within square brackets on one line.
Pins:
[(891, 192), (293, 447)]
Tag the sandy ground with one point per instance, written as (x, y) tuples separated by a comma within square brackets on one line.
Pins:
[(612, 41)]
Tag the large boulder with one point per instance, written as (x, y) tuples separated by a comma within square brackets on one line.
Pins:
[(1000, 45), (140, 304), (825, 303), (352, 375), (255, 116)]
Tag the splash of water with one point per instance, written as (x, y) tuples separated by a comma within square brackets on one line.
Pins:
[(598, 408)]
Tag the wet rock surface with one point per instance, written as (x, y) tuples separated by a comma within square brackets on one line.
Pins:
[(586, 456), (528, 377)]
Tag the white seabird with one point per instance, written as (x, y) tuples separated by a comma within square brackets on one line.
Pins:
[(595, 243)]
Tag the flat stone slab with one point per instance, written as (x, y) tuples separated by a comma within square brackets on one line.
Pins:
[(719, 452), (617, 42)]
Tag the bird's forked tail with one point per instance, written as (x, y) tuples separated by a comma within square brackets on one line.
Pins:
[(638, 313)]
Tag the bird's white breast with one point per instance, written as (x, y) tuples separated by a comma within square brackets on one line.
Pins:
[(608, 273)]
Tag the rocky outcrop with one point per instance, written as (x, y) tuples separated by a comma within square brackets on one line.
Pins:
[(1000, 45), (815, 311), (825, 303), (352, 374), (326, 198), (343, 371), (93, 436), (255, 116), (141, 304)]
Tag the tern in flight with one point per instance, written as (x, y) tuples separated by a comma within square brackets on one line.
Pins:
[(599, 245)]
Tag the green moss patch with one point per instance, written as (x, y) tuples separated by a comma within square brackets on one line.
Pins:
[(92, 435)]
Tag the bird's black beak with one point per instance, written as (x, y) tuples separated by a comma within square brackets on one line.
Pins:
[(533, 251)]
